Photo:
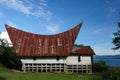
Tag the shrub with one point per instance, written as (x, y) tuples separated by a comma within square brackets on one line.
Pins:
[(112, 74), (106, 72), (100, 66), (9, 59)]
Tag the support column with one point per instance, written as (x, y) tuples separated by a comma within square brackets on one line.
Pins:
[(24, 68), (51, 68)]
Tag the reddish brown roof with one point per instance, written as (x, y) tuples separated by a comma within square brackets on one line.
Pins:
[(85, 50), (29, 44)]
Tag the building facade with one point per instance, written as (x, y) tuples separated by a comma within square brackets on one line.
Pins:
[(51, 53)]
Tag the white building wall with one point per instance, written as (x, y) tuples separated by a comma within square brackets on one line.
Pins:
[(70, 60), (73, 60), (44, 60)]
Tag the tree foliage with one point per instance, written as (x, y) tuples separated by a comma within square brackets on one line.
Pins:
[(116, 39), (78, 45), (113, 73), (100, 66), (106, 72), (8, 57)]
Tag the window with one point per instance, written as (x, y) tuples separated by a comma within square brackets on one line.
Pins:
[(79, 59), (58, 41)]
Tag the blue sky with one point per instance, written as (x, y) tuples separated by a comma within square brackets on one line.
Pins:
[(99, 19)]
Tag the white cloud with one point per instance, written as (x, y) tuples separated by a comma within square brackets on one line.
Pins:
[(97, 31), (12, 24), (43, 0), (29, 7), (17, 5), (110, 7), (54, 28), (4, 35), (105, 51)]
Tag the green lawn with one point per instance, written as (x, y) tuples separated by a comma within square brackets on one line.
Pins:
[(6, 74)]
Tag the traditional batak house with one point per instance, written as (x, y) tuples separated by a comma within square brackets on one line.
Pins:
[(51, 53)]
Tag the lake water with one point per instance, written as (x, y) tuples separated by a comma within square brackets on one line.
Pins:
[(110, 60)]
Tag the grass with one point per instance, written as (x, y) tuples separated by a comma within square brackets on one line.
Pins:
[(6, 74)]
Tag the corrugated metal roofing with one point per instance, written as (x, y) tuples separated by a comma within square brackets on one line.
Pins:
[(84, 50), (29, 44)]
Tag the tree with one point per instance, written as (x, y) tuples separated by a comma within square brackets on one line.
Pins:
[(8, 57), (116, 39), (3, 44), (79, 45), (100, 66)]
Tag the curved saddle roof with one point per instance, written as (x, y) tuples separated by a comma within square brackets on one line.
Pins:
[(29, 44)]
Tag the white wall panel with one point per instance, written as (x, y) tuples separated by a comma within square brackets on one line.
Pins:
[(73, 60), (49, 60), (70, 60)]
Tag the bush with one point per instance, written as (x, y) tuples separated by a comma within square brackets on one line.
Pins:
[(106, 72), (9, 59), (112, 74), (100, 66)]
